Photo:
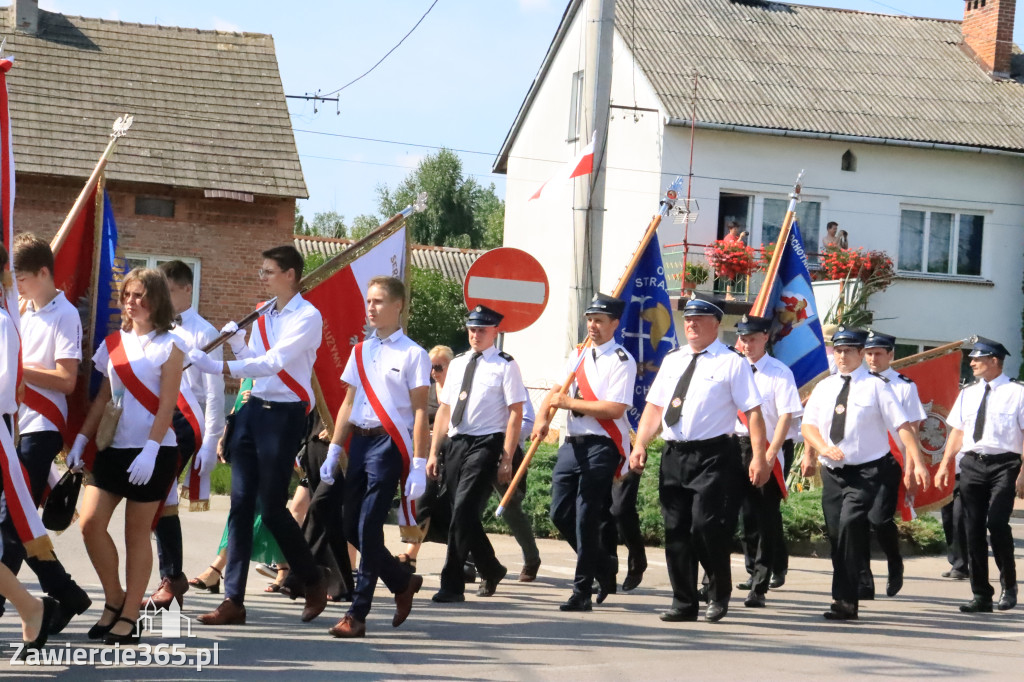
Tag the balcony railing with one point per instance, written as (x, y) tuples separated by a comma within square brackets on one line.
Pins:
[(743, 289)]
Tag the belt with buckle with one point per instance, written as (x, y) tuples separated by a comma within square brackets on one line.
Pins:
[(998, 457), (369, 433)]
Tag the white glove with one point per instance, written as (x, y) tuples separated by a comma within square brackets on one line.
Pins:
[(141, 468), (237, 338), (74, 458), (416, 484), (330, 464), (206, 458), (204, 362)]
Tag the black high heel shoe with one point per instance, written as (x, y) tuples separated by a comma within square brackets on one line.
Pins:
[(49, 611), (98, 631), (212, 588), (131, 638)]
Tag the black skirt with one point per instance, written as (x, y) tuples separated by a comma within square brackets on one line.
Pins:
[(110, 473)]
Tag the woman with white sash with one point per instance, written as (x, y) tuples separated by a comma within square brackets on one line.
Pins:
[(142, 364)]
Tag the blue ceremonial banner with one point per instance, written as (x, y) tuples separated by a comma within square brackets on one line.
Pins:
[(112, 269), (796, 329), (646, 329)]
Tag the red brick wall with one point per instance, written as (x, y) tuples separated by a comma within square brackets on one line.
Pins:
[(226, 236), (988, 32)]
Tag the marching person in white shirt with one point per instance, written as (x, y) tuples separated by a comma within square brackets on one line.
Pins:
[(51, 335), (847, 421), (988, 430), (268, 432), (208, 390), (762, 516), (879, 352), (481, 410), (385, 414)]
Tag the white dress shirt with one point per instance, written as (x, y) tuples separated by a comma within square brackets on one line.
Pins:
[(403, 366), (906, 392), (722, 385), (1004, 416), (49, 334), (207, 388), (136, 421), (8, 362), (295, 333), (872, 411), (617, 369), (497, 385), (779, 396)]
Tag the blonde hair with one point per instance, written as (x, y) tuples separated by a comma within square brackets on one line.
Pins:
[(444, 351)]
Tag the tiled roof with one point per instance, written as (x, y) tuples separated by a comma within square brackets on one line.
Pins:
[(451, 262), (210, 111)]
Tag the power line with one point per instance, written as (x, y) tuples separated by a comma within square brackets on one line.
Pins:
[(381, 60)]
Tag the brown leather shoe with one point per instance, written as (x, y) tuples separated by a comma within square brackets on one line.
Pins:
[(228, 613), (403, 600), (349, 628), (529, 572), (170, 588), (316, 599)]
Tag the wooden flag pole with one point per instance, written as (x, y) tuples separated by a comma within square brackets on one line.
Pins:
[(667, 203), (120, 129), (97, 246), (761, 300)]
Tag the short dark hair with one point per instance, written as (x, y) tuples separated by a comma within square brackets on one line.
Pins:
[(832, 224), (158, 296), (287, 258), (394, 286), (178, 272), (32, 254)]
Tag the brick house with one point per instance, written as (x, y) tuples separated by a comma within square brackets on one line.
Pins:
[(209, 172)]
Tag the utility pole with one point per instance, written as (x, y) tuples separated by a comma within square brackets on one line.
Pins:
[(588, 204)]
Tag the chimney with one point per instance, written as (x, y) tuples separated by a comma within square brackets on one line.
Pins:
[(988, 34), (26, 16)]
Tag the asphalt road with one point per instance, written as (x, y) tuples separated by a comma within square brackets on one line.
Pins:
[(520, 633)]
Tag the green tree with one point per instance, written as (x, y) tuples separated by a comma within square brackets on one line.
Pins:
[(329, 224), (300, 221), (363, 225), (437, 312)]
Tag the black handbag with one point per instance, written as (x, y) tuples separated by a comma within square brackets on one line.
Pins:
[(229, 432), (59, 509)]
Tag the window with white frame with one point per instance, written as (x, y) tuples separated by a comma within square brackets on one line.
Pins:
[(139, 260), (940, 242), (575, 107), (808, 217)]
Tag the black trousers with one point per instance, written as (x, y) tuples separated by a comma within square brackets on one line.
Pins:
[(699, 488), (266, 438), (762, 524), (36, 452), (987, 491), (847, 495), (169, 550), (883, 522), (955, 531), (470, 467), (581, 484), (324, 526), (624, 525)]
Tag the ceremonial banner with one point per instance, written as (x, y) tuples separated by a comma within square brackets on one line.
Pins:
[(583, 164), (788, 300), (646, 329)]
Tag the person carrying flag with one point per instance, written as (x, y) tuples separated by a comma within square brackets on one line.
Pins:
[(596, 448)]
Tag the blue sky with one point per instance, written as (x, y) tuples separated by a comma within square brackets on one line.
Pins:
[(457, 81)]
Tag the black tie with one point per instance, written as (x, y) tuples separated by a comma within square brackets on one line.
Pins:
[(979, 423), (838, 430), (675, 408), (753, 368), (467, 383)]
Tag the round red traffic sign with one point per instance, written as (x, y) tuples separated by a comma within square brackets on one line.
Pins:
[(511, 282)]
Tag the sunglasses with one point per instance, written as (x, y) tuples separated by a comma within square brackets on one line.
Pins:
[(437, 368)]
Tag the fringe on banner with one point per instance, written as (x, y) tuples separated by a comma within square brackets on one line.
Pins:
[(199, 505)]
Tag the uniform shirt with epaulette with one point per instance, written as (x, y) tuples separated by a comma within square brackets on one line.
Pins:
[(497, 385), (872, 411), (906, 392), (1004, 416), (617, 370), (779, 394)]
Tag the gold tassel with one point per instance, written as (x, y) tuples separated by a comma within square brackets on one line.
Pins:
[(199, 505), (183, 492), (169, 510), (40, 548), (413, 534)]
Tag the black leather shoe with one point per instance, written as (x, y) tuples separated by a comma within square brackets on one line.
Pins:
[(1007, 600), (131, 637), (977, 605), (469, 572), (679, 616), (745, 585), (73, 603), (489, 585), (716, 611), (702, 593), (754, 600), (605, 585), (955, 574), (99, 631), (841, 610), (446, 597), (894, 584), (866, 594), (777, 581), (576, 603), (50, 609), (632, 581)]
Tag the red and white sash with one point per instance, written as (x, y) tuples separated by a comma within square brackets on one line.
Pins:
[(197, 491), (37, 402), (391, 420), (20, 507), (777, 473), (287, 379), (586, 372)]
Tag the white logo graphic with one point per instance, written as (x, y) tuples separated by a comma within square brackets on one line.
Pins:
[(162, 622)]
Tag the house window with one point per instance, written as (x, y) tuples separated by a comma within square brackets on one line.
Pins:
[(940, 242), (575, 107), (849, 162), (138, 260), (155, 206), (808, 217)]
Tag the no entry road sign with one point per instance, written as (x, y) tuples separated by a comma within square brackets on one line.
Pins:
[(511, 282)]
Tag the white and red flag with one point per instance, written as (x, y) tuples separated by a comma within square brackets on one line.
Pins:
[(583, 164)]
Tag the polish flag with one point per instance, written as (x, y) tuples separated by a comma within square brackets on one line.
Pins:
[(583, 164)]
